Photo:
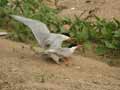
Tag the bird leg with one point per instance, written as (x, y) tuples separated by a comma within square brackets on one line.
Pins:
[(67, 60)]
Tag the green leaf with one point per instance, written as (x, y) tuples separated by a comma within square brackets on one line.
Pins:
[(109, 45), (100, 50), (88, 45), (3, 3), (117, 33), (117, 23)]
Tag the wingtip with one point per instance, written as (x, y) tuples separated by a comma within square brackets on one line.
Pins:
[(11, 15), (14, 16)]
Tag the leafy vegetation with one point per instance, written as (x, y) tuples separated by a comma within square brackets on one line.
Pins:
[(29, 8), (102, 35)]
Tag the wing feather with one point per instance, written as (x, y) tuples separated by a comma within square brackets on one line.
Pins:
[(41, 33), (38, 28)]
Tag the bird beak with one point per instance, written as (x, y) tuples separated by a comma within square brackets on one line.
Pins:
[(79, 46)]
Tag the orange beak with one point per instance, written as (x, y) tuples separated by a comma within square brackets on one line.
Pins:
[(79, 46)]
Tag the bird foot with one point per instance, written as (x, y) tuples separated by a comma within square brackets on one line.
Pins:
[(67, 61)]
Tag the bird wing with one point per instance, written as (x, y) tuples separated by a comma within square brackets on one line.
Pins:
[(41, 33), (38, 28), (56, 40)]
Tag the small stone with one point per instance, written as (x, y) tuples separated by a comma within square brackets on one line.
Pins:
[(73, 8), (77, 67)]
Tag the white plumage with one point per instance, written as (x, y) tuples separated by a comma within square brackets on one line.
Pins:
[(51, 42)]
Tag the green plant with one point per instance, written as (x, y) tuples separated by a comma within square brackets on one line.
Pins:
[(29, 8), (102, 34), (3, 3)]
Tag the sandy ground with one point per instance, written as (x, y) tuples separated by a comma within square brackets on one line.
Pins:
[(86, 8), (22, 69)]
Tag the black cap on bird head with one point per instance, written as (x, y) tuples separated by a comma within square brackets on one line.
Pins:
[(72, 45), (67, 34)]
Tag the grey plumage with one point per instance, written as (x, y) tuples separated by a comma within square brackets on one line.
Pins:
[(42, 33)]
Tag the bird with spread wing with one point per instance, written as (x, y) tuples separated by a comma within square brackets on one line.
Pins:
[(50, 42)]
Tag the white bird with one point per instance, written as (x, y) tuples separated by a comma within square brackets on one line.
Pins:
[(51, 42), (61, 53)]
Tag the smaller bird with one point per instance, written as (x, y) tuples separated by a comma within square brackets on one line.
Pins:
[(62, 53)]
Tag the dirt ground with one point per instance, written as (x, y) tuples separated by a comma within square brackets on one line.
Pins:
[(87, 8), (22, 69)]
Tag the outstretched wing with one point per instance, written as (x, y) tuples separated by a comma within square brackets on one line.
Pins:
[(41, 33), (38, 28)]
